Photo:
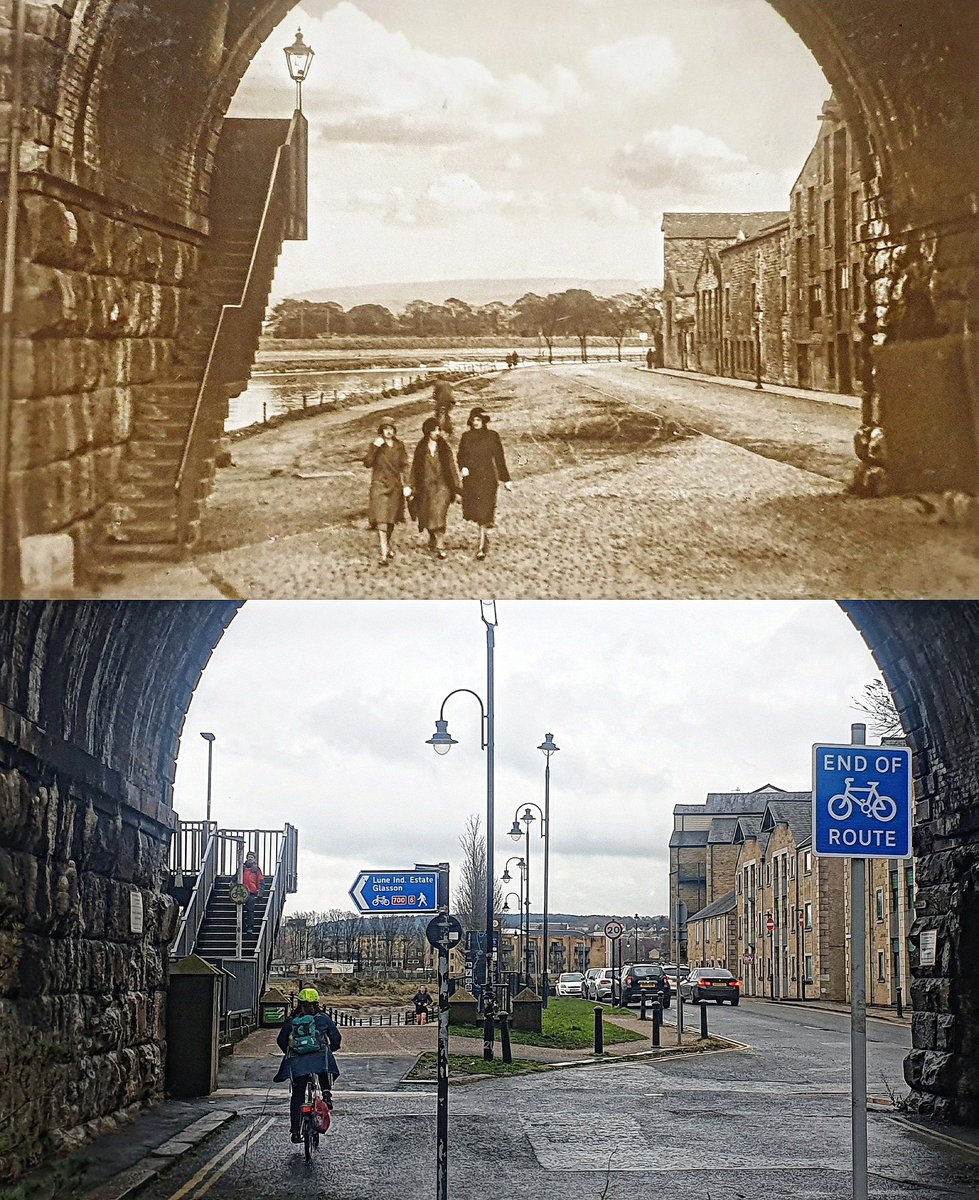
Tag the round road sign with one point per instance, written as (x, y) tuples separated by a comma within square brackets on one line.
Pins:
[(770, 924), (444, 932), (614, 929), (238, 893)]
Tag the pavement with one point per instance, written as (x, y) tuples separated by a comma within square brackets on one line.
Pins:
[(778, 389)]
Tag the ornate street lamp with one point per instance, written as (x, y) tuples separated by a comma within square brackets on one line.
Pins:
[(299, 58), (527, 817)]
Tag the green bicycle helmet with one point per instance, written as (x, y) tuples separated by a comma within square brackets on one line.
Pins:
[(309, 996)]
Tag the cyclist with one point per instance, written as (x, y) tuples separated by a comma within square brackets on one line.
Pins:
[(300, 1062)]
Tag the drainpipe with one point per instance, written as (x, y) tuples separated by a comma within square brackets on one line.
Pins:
[(9, 571)]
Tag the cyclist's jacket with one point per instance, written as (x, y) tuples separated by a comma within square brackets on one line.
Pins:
[(293, 1066)]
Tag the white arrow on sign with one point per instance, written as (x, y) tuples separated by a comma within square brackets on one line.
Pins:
[(357, 891)]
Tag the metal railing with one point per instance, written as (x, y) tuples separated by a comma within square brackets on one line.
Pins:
[(283, 882), (281, 216), (188, 845), (205, 867)]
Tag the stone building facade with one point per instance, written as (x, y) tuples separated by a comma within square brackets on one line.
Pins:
[(754, 321), (890, 913), (712, 935)]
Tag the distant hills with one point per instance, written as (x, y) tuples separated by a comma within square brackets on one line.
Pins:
[(476, 292)]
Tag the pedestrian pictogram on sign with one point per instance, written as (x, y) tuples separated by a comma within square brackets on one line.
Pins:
[(770, 924), (861, 801)]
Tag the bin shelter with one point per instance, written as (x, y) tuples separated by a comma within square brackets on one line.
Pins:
[(273, 1008), (193, 1027)]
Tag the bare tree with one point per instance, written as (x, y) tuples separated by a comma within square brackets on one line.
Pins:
[(876, 702), (470, 891)]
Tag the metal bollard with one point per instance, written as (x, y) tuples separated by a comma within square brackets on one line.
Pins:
[(305, 401), (505, 1037), (657, 1021), (899, 1001), (703, 1020), (599, 1030), (265, 413), (642, 1008)]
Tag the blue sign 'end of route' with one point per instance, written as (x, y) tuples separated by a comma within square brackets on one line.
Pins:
[(861, 801), (393, 893)]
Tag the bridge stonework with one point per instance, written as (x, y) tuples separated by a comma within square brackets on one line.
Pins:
[(92, 698)]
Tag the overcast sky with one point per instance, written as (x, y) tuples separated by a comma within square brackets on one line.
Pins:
[(453, 139), (321, 712)]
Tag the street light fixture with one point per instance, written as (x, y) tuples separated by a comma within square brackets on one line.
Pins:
[(506, 909), (209, 738), (528, 818), (442, 742), (299, 57), (547, 748), (506, 877), (758, 313)]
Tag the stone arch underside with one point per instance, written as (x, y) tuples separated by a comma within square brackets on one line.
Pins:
[(125, 107), (92, 701)]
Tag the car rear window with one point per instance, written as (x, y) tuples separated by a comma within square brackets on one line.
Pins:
[(571, 976), (716, 975), (643, 972)]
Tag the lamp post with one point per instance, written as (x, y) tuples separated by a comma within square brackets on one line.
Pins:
[(527, 817), (547, 748), (209, 738), (757, 317), (506, 909), (522, 865), (442, 742), (299, 57)]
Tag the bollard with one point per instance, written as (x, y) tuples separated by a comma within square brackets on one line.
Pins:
[(642, 1008), (265, 413), (489, 1035), (599, 1030), (505, 1037), (703, 1020), (657, 1021), (898, 999), (305, 402)]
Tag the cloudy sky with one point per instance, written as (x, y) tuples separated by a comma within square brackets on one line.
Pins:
[(321, 712), (453, 139)]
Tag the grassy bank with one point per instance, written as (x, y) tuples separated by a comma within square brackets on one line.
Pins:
[(567, 1025)]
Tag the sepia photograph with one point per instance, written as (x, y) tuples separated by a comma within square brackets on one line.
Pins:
[(689, 291)]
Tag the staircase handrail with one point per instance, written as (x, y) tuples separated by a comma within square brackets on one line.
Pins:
[(283, 882), (193, 914), (274, 223)]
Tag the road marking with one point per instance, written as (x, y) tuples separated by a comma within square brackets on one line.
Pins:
[(242, 1150), (245, 1137)]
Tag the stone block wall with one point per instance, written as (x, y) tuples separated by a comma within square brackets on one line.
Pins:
[(82, 996), (101, 303)]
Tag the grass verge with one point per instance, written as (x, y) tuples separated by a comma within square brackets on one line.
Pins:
[(567, 1025), (426, 1068)]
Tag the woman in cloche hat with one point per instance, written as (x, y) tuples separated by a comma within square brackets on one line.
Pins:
[(482, 466), (435, 484), (388, 460)]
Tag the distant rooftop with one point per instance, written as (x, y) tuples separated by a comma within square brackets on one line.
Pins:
[(717, 908), (717, 225), (689, 837)]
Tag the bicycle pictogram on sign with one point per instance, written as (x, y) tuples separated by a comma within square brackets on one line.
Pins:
[(862, 801), (868, 799)]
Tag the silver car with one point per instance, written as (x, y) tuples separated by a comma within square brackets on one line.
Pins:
[(569, 984), (601, 984)]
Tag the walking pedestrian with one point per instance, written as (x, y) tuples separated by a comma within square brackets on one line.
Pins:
[(482, 466), (444, 402), (649, 359), (422, 1001), (388, 460), (434, 484), (251, 877)]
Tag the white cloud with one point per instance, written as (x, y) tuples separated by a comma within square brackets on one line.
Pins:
[(608, 206), (450, 196), (376, 86), (639, 67)]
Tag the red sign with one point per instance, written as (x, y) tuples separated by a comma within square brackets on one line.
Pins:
[(770, 924), (802, 918)]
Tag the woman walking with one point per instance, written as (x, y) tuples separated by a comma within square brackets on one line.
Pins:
[(435, 484), (482, 466), (388, 460), (444, 404)]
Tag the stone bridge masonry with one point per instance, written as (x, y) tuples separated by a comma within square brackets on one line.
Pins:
[(93, 698), (119, 109)]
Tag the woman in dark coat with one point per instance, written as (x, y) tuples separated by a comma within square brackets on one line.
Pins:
[(388, 460), (482, 467), (444, 404), (435, 484)]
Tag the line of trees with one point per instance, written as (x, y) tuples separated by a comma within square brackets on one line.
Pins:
[(576, 312)]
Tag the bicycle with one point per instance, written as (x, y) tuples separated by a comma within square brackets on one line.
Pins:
[(315, 1116), (873, 804)]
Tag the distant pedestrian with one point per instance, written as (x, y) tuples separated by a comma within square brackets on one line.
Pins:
[(649, 359), (251, 877), (482, 466), (444, 402), (435, 483), (422, 1001), (388, 460)]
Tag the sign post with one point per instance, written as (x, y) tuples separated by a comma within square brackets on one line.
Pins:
[(861, 808), (614, 930), (443, 932)]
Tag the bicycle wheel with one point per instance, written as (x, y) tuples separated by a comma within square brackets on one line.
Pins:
[(883, 808), (840, 807), (309, 1135)]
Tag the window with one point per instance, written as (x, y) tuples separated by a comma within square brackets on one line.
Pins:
[(811, 205), (827, 160), (855, 214), (791, 863), (727, 303), (808, 968), (828, 290), (815, 300), (880, 904), (813, 264), (739, 885), (827, 222), (720, 929), (794, 967), (807, 862), (784, 297), (881, 966), (831, 359), (809, 914)]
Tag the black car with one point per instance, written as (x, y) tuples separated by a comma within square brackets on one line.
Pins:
[(710, 983), (645, 979)]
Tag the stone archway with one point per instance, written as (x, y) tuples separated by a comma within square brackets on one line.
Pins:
[(122, 128), (92, 702)]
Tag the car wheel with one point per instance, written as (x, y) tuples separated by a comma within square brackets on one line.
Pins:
[(718, 1001), (734, 1002)]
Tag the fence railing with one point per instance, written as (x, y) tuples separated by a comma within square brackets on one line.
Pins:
[(188, 846), (279, 219), (204, 865), (283, 881)]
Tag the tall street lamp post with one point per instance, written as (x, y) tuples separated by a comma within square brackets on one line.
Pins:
[(209, 738), (547, 748), (299, 57), (527, 817), (524, 894), (442, 742), (506, 909), (757, 316)]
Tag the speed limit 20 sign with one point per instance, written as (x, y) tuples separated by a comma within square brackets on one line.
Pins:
[(614, 929)]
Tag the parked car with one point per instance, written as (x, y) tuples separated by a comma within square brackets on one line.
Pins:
[(645, 979), (710, 983), (674, 974), (586, 979), (569, 983), (602, 983)]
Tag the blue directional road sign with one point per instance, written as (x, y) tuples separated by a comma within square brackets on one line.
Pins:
[(861, 801), (392, 893)]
